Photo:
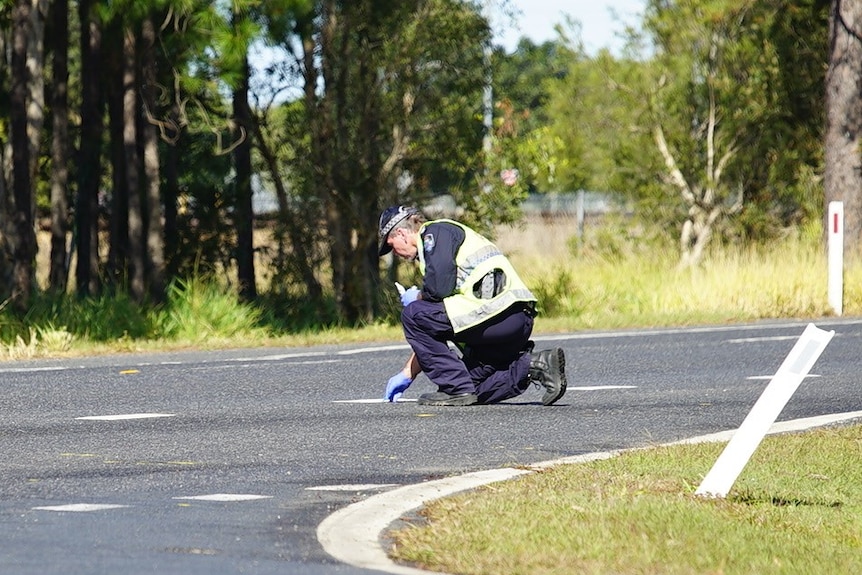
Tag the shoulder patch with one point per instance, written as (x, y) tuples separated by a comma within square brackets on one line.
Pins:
[(428, 243)]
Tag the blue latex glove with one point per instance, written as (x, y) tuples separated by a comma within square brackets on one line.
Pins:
[(409, 296), (396, 386)]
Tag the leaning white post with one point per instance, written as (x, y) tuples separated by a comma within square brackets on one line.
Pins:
[(835, 246), (766, 410)]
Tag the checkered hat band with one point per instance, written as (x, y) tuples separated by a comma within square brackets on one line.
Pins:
[(402, 214)]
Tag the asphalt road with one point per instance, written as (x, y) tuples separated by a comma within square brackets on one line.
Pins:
[(226, 462)]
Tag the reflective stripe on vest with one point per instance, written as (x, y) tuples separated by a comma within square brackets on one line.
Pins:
[(476, 258)]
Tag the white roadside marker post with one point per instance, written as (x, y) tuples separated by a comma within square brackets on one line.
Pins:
[(766, 410), (835, 256)]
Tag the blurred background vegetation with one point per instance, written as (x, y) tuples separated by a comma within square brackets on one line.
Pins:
[(162, 183)]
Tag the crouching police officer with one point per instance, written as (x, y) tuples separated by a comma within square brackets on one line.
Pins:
[(472, 296)]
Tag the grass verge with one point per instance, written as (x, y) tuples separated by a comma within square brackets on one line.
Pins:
[(796, 508)]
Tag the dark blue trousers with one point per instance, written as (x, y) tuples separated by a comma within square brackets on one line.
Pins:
[(494, 366)]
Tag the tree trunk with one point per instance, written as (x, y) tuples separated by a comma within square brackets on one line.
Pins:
[(843, 162), (291, 222), (7, 230), (331, 141), (58, 275), (137, 244), (118, 245), (243, 213), (24, 242), (171, 196), (152, 169), (36, 88), (89, 168)]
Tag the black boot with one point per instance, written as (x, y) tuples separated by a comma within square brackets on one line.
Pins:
[(548, 369)]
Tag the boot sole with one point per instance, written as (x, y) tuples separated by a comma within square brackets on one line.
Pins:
[(561, 360), (457, 401)]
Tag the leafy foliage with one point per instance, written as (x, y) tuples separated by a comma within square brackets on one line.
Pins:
[(198, 311), (375, 102)]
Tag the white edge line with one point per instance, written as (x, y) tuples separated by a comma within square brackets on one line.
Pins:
[(537, 337), (352, 534), (677, 331), (32, 369)]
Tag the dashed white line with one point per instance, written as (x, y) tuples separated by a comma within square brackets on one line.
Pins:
[(757, 339), (601, 387), (769, 377), (225, 497), (121, 417), (352, 487), (375, 400), (79, 507)]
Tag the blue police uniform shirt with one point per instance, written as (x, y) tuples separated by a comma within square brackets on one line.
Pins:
[(440, 242)]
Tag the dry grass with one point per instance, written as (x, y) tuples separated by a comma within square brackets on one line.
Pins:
[(614, 281)]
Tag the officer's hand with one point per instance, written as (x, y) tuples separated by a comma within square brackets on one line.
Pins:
[(409, 296), (396, 386)]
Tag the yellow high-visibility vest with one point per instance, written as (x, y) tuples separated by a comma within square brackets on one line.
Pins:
[(477, 257)]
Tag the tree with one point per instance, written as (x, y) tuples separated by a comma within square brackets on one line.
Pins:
[(7, 229), (281, 139), (155, 234), (724, 108), (707, 199), (131, 167), (24, 241), (243, 213), (89, 172), (60, 148), (843, 173), (388, 100), (693, 38)]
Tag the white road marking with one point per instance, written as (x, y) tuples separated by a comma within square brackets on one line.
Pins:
[(31, 369), (374, 349), (768, 377), (79, 507), (125, 416), (349, 487), (251, 364), (601, 387), (756, 339), (281, 356), (375, 400), (685, 330), (225, 497)]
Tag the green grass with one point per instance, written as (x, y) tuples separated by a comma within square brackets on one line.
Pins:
[(796, 508)]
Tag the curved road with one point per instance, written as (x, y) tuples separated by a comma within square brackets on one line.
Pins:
[(227, 462)]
